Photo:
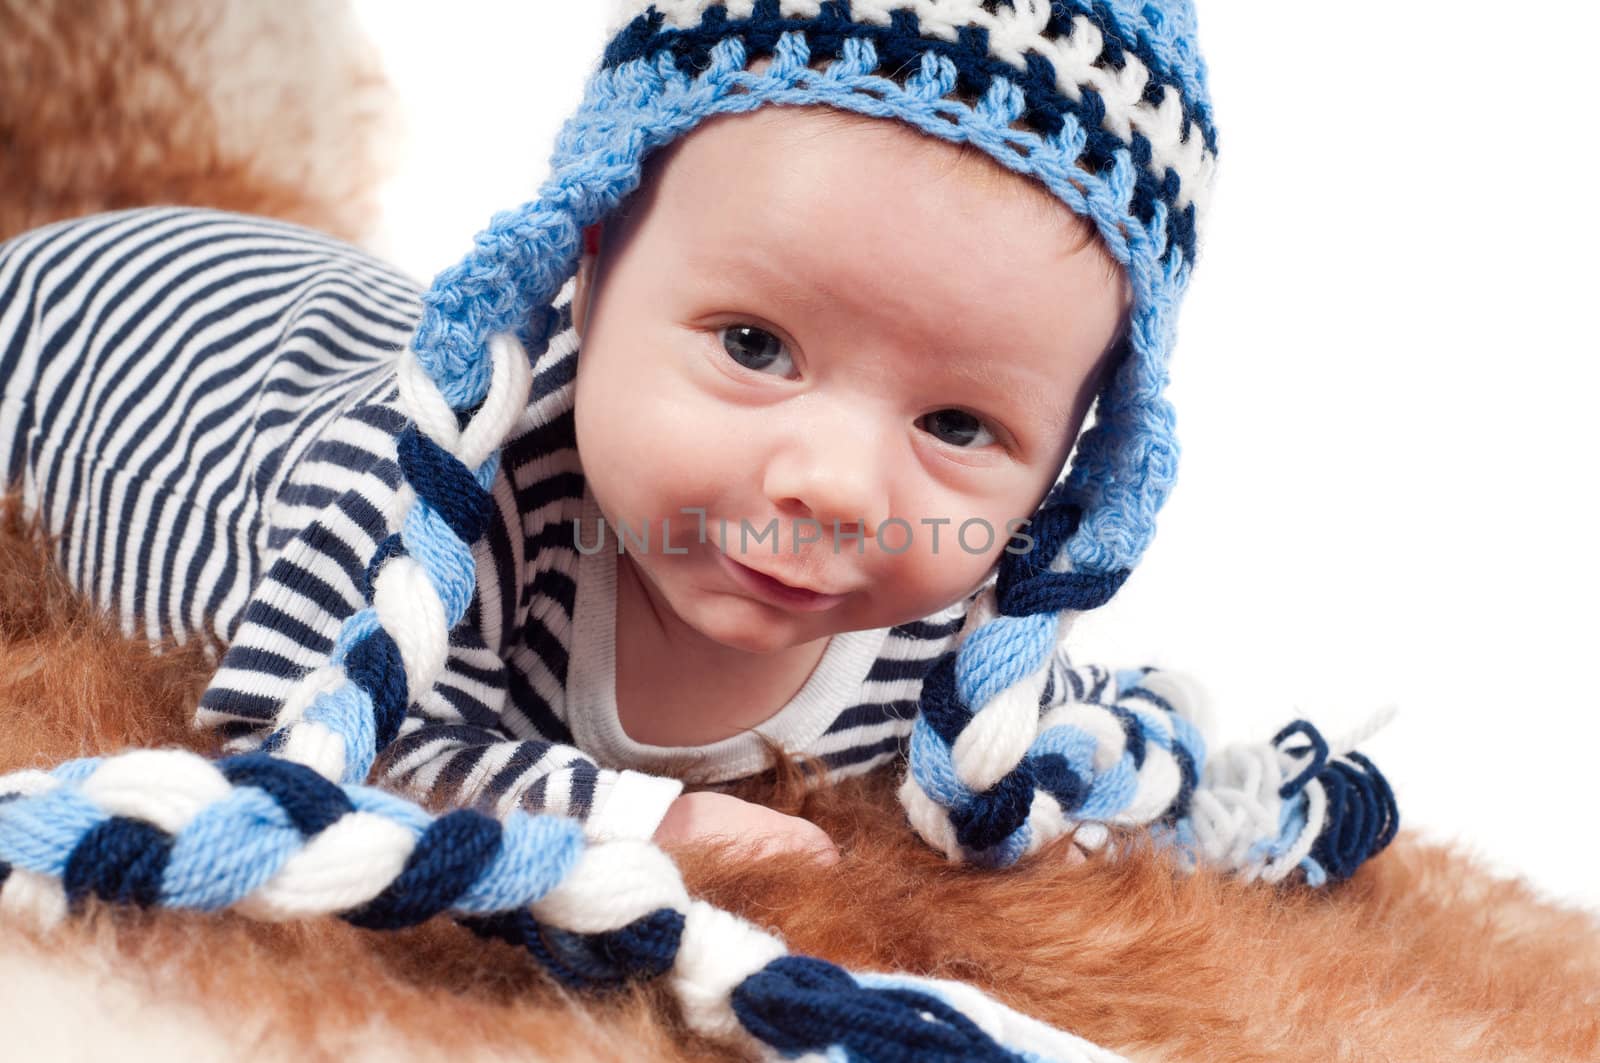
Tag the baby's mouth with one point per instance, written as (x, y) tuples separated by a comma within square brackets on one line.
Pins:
[(777, 590)]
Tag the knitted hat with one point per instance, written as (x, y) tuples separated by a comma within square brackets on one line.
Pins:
[(1103, 102)]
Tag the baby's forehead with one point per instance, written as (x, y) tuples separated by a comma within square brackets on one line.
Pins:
[(733, 159)]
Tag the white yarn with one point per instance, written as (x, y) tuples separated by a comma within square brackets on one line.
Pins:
[(718, 951), (613, 884), (425, 404), (28, 782), (510, 381), (410, 611), (315, 746), (1095, 720), (163, 787), (344, 866), (324, 680), (1019, 1033), (929, 819), (992, 745)]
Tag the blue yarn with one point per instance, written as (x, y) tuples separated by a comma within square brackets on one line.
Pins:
[(1001, 653), (1319, 755), (641, 950), (537, 854), (1190, 778), (119, 860), (441, 480), (446, 559), (798, 1004), (374, 665), (40, 833), (357, 627), (448, 858), (1362, 817), (1133, 734), (228, 851), (933, 767), (941, 708), (311, 802), (1111, 791), (1192, 741), (347, 712)]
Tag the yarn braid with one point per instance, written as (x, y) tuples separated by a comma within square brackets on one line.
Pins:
[(999, 768)]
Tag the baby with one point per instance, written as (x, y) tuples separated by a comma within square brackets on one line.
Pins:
[(846, 279)]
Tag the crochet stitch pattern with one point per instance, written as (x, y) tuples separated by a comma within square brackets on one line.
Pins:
[(1101, 101)]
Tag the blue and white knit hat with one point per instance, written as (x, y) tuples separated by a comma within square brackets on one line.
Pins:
[(1104, 102)]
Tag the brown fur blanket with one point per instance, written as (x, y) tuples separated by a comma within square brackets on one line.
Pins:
[(276, 108), (1422, 955)]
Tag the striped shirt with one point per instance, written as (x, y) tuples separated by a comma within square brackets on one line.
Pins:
[(203, 407)]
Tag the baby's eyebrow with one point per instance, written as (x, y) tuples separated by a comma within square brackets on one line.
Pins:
[(994, 381)]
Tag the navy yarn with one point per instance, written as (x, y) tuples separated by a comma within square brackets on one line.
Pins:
[(445, 483), (1025, 586), (941, 704), (312, 803), (449, 857), (375, 666), (900, 47), (996, 813), (1132, 734), (120, 860), (1319, 756), (1190, 779), (1055, 776), (392, 546), (1362, 817), (639, 951), (799, 1004)]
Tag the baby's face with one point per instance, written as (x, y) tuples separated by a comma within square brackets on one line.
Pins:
[(804, 322)]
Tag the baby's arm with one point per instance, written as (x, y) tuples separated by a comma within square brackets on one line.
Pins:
[(467, 740), (479, 737)]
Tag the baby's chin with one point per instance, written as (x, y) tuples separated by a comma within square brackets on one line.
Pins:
[(767, 631)]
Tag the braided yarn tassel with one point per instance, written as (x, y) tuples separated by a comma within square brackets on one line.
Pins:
[(274, 840), (1030, 764)]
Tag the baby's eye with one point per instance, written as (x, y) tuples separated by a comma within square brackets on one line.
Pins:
[(754, 348), (957, 428)]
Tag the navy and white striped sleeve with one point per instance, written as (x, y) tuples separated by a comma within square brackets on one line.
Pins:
[(455, 747), (200, 407)]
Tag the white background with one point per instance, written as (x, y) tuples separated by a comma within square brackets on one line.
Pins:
[(1385, 379)]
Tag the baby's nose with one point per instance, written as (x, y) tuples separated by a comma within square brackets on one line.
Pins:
[(833, 481)]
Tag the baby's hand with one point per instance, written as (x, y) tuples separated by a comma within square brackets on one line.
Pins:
[(759, 831)]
